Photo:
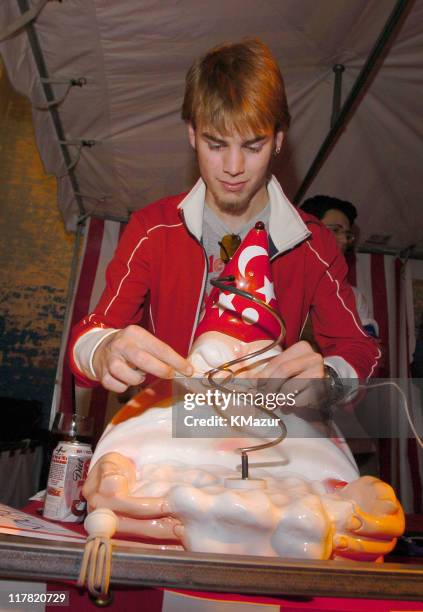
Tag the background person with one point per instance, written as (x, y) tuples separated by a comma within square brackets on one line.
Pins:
[(339, 216)]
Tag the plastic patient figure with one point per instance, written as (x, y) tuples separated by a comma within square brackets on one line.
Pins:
[(303, 498)]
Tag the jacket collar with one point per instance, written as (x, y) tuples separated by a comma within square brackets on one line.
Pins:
[(286, 228)]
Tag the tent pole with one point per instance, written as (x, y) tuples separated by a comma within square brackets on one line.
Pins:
[(73, 276), (48, 92), (338, 69), (386, 36)]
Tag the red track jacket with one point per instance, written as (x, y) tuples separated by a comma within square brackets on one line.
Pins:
[(160, 264)]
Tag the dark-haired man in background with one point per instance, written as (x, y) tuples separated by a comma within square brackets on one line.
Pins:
[(339, 216)]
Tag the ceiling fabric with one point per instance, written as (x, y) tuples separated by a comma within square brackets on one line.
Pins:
[(134, 56)]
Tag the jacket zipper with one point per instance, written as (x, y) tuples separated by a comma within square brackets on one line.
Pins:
[(202, 294), (205, 277)]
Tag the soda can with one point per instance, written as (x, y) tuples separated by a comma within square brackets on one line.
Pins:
[(68, 472)]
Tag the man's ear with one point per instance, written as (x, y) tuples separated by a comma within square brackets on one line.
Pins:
[(191, 134), (279, 140)]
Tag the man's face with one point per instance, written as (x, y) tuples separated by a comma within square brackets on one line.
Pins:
[(235, 167), (338, 223)]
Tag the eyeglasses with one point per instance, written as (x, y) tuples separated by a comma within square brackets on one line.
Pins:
[(228, 246), (338, 230)]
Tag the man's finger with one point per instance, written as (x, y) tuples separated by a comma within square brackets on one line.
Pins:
[(306, 366), (270, 385), (125, 372), (147, 362), (298, 349), (112, 384), (163, 352)]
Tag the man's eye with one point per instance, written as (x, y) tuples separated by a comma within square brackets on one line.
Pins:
[(255, 148), (214, 146)]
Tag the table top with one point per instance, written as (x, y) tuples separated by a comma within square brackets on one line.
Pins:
[(41, 560)]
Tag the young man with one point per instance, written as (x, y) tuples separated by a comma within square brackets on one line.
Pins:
[(236, 112), (339, 216)]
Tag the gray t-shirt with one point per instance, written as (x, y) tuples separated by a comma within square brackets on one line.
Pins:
[(213, 231)]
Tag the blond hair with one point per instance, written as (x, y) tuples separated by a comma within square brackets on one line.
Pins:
[(236, 87)]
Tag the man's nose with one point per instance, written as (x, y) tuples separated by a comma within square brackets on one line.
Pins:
[(342, 241), (233, 162)]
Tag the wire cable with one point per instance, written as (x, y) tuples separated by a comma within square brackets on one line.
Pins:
[(404, 403), (226, 283)]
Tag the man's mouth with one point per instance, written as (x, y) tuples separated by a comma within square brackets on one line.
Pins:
[(233, 187)]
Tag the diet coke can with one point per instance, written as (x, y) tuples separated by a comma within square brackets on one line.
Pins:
[(68, 472)]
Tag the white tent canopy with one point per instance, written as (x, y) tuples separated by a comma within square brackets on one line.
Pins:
[(121, 129)]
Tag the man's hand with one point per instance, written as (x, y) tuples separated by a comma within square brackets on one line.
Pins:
[(123, 359), (299, 360), (291, 371)]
